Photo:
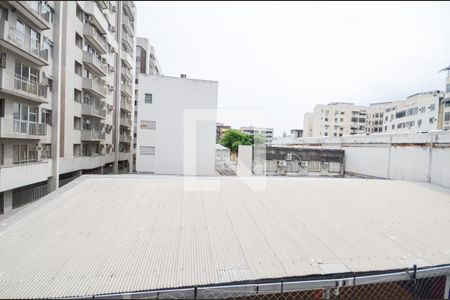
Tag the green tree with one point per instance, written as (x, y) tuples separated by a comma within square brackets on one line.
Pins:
[(233, 138)]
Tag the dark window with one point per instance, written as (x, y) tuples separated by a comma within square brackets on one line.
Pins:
[(148, 98)]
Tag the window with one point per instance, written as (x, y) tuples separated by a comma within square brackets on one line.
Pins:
[(447, 117), (362, 120), (2, 60), (23, 153), (78, 68), (148, 124), (76, 149), (432, 107), (447, 104), (400, 114), (354, 119), (78, 40), (76, 123), (314, 166), (2, 151), (3, 13), (148, 98), (49, 46), (77, 95), (334, 167), (87, 124), (79, 13), (145, 150), (419, 122), (2, 108), (431, 121)]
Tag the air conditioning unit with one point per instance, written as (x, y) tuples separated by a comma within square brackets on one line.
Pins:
[(304, 163), (39, 148), (111, 88), (113, 28), (113, 8), (289, 156), (112, 69), (282, 163)]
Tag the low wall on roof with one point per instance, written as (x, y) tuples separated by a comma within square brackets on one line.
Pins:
[(423, 157)]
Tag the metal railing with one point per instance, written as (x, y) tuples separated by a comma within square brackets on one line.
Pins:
[(127, 21), (90, 30), (23, 127), (92, 134), (95, 84), (38, 8), (126, 138), (125, 121), (127, 88), (93, 59), (23, 197), (93, 110), (26, 43), (16, 82), (126, 105), (127, 72)]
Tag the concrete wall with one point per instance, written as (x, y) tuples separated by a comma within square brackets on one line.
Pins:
[(174, 101), (423, 157)]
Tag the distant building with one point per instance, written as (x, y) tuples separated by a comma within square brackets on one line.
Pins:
[(266, 132), (220, 131), (418, 113), (375, 117), (161, 125), (444, 117), (288, 139), (337, 119), (222, 153), (308, 124)]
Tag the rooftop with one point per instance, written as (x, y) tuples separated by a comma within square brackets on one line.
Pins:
[(114, 234)]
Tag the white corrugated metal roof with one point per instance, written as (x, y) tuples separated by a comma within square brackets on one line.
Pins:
[(132, 233)]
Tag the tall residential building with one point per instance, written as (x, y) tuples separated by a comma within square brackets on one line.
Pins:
[(176, 125), (444, 108), (266, 132), (66, 93), (338, 119), (308, 124), (375, 117), (417, 113)]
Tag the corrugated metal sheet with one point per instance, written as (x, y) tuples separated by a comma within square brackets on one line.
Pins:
[(133, 233)]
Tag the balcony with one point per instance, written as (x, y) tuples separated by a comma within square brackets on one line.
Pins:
[(95, 86), (93, 110), (96, 39), (92, 135), (25, 173), (94, 63), (127, 89), (33, 11), (22, 87), (128, 25), (127, 105), (103, 4), (127, 59), (18, 129), (125, 122), (126, 73), (22, 44), (128, 41), (96, 16), (125, 138), (129, 8)]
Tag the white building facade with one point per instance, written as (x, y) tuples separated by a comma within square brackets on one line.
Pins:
[(176, 125), (66, 93), (338, 119), (266, 132)]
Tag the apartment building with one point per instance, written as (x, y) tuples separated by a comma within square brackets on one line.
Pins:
[(375, 117), (336, 119), (417, 113), (444, 108), (266, 132), (176, 132), (221, 128), (308, 124), (66, 93)]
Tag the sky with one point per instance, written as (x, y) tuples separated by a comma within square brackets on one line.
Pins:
[(283, 58)]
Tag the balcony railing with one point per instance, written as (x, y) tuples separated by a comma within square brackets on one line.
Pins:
[(126, 72), (126, 105), (95, 38), (23, 86), (93, 60), (126, 88), (129, 41), (38, 8), (128, 24), (10, 127), (125, 138), (93, 110), (92, 135), (95, 85), (125, 122), (25, 42)]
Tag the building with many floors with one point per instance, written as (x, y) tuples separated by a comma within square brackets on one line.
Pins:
[(266, 132), (221, 128), (66, 93), (336, 119)]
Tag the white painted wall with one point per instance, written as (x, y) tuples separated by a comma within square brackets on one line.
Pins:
[(245, 158), (173, 99), (406, 156)]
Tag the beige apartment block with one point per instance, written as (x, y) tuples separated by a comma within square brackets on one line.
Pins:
[(66, 94)]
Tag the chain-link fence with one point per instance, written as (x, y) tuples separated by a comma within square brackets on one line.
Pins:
[(411, 284)]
